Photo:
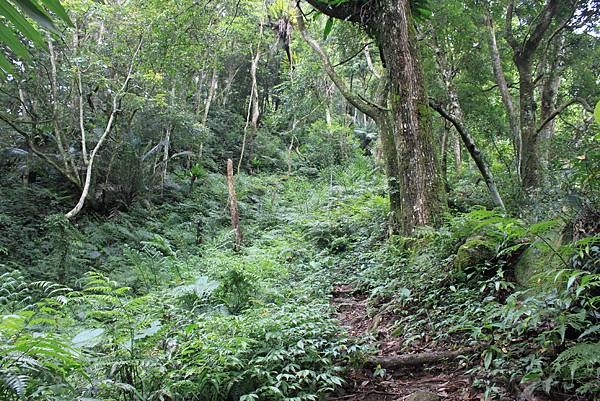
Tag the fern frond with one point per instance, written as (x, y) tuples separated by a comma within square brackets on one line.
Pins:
[(582, 360)]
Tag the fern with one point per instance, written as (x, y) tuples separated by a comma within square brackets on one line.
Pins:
[(581, 360)]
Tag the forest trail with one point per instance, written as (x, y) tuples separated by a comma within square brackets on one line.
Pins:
[(446, 380)]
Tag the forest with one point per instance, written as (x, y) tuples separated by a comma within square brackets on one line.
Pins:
[(299, 200)]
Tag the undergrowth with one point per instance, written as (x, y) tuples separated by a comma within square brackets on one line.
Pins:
[(153, 303)]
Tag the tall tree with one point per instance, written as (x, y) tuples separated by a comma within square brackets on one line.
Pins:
[(391, 23)]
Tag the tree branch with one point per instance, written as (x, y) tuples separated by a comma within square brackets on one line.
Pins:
[(366, 107), (562, 108), (353, 11), (115, 109), (39, 153), (474, 151), (508, 33), (541, 27)]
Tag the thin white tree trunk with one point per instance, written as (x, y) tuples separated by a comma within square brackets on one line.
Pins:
[(211, 94), (507, 100), (115, 103)]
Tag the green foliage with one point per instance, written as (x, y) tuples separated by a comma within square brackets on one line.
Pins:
[(34, 10)]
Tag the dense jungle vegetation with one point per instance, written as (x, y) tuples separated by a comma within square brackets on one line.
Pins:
[(299, 200)]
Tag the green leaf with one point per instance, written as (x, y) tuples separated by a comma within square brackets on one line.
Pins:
[(22, 25), (328, 27), (8, 37), (6, 66), (487, 358), (58, 9), (88, 338), (36, 13), (597, 112)]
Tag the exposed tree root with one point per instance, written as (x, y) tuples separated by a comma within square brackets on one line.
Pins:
[(398, 361)]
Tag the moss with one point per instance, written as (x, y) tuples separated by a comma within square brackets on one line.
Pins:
[(540, 258), (473, 252)]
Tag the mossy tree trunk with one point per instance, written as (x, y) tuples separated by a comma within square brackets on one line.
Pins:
[(421, 199), (421, 185)]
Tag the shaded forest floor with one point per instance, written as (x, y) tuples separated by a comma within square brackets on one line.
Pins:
[(447, 380)]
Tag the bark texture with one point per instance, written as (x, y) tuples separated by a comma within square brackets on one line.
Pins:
[(421, 185), (422, 198)]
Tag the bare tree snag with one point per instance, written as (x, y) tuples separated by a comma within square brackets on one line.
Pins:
[(235, 218), (400, 361)]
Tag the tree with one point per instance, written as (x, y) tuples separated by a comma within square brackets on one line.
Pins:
[(391, 22), (543, 37)]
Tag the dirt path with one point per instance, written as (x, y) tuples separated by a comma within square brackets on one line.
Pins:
[(448, 380)]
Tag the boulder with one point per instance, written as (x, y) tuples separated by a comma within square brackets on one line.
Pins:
[(540, 257), (475, 251)]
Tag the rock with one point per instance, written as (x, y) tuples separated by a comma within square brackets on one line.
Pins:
[(475, 251), (540, 258), (423, 396)]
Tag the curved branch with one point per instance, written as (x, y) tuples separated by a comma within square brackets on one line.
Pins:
[(39, 153), (364, 106), (474, 151), (562, 108)]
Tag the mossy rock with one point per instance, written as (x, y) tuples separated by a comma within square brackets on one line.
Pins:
[(423, 396), (540, 258), (475, 251)]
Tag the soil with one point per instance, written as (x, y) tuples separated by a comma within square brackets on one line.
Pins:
[(448, 379)]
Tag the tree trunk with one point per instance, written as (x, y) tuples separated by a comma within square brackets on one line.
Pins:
[(421, 186), (507, 100), (457, 117), (444, 156), (530, 164), (384, 121), (523, 56), (233, 209), (548, 96), (165, 161), (211, 94), (254, 112), (390, 159)]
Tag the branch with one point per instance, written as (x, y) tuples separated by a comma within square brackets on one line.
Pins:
[(562, 108), (39, 153), (364, 106), (354, 55), (508, 33), (352, 11), (115, 109), (474, 151), (541, 27)]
